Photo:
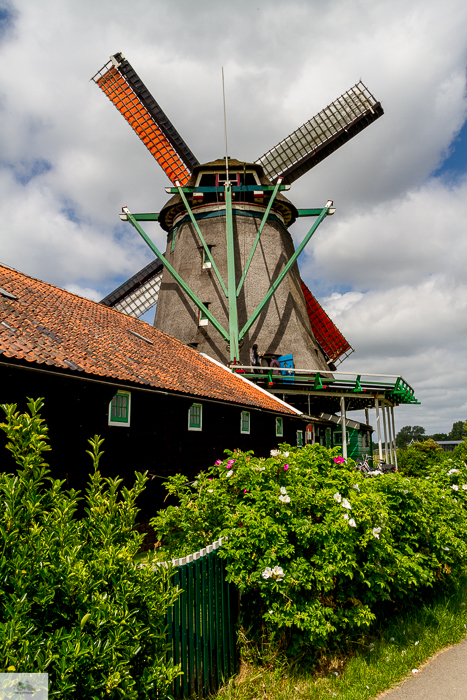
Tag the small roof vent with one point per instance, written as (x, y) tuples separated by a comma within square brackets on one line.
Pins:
[(4, 293)]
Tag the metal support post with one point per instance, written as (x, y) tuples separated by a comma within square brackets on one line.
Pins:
[(367, 417), (388, 416), (344, 428), (394, 435), (378, 427), (258, 235), (386, 456), (201, 238), (175, 275), (284, 272), (233, 320)]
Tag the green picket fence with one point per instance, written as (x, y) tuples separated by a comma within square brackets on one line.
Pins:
[(202, 623)]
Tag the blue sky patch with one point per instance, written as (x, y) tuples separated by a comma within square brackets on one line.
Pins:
[(456, 162), (25, 172), (6, 20)]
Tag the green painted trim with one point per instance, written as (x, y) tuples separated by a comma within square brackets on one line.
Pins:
[(177, 277), (233, 319), (201, 238), (221, 213), (258, 235), (284, 272)]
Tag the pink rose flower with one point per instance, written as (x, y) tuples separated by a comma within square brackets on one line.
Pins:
[(216, 464), (338, 460), (286, 467)]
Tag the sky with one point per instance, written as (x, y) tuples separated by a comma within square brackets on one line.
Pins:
[(389, 266)]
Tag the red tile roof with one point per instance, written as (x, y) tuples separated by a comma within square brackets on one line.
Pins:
[(47, 325)]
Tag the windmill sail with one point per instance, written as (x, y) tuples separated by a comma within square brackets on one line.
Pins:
[(138, 294), (125, 89), (321, 135), (331, 340)]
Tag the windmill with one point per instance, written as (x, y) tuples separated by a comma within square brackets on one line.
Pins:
[(229, 276)]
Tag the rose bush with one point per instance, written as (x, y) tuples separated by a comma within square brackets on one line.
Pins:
[(314, 546)]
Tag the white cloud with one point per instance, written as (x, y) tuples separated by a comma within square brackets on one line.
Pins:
[(390, 262)]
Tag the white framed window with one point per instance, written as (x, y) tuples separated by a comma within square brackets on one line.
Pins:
[(299, 438), (279, 426), (195, 416), (120, 408), (202, 318), (245, 422), (338, 438)]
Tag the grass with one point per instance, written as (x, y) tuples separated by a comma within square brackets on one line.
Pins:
[(370, 665)]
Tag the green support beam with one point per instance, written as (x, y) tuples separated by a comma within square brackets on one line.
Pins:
[(201, 238), (275, 285), (176, 276), (141, 217), (258, 235), (314, 212), (233, 319)]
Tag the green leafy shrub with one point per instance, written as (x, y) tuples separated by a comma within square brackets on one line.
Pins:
[(312, 545), (73, 602), (418, 458)]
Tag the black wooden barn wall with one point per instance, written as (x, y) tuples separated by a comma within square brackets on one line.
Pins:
[(158, 439)]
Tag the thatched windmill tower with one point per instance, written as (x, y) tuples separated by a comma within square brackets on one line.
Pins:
[(228, 277)]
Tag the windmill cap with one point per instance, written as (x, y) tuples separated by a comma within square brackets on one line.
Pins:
[(175, 204)]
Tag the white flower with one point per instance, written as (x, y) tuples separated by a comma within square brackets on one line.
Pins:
[(376, 531), (267, 573), (415, 670), (392, 639), (195, 483), (275, 453), (346, 504), (278, 573), (403, 652), (337, 497), (464, 487), (453, 471), (356, 487), (455, 487), (270, 612), (283, 490), (346, 516), (284, 499), (446, 549), (352, 523), (416, 644), (209, 490), (229, 473), (286, 454), (261, 469)]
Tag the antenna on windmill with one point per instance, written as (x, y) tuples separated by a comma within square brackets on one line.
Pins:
[(225, 129)]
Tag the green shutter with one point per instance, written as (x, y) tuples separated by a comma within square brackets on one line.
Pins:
[(195, 416), (279, 426)]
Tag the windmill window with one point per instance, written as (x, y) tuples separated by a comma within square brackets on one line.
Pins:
[(299, 438), (221, 179), (202, 317), (206, 262), (119, 409), (279, 426), (195, 417), (245, 422)]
